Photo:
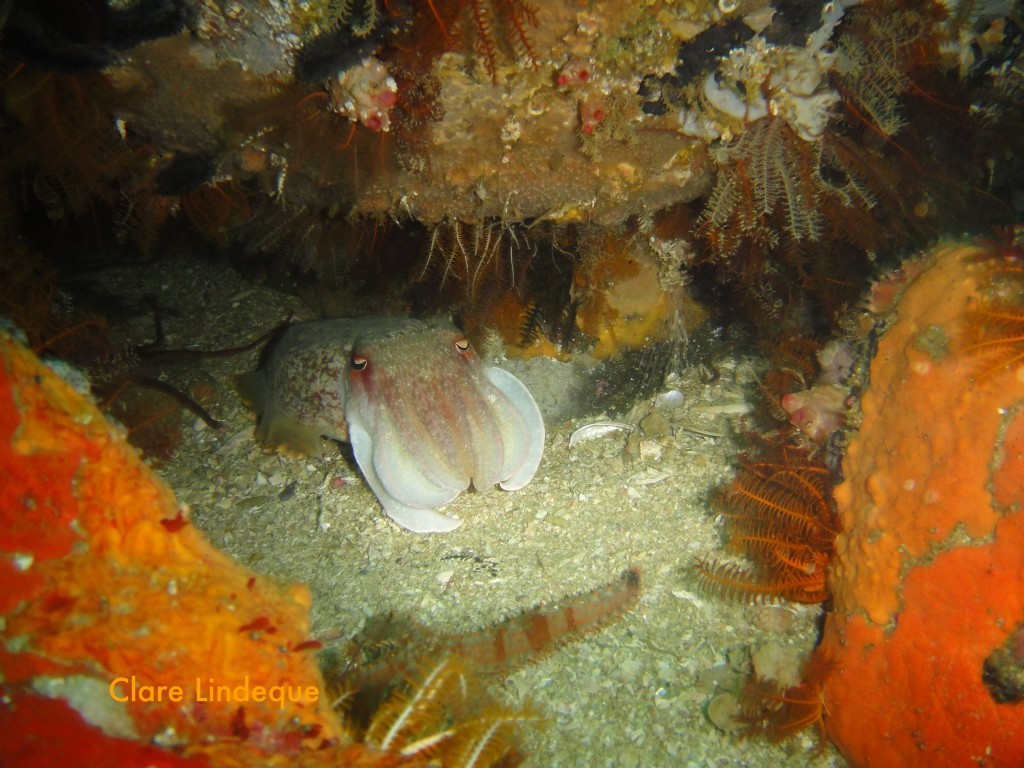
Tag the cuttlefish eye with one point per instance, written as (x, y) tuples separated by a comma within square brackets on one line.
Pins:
[(462, 344), (358, 362)]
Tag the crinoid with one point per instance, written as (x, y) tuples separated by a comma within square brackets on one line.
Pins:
[(905, 116), (31, 298), (793, 368), (778, 713), (773, 185), (361, 16), (349, 30), (767, 171), (216, 210), (780, 515), (438, 715), (994, 330), (875, 59), (512, 19), (346, 32), (62, 131), (996, 334), (473, 254)]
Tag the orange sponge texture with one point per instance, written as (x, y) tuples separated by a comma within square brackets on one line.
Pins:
[(928, 576), (102, 576)]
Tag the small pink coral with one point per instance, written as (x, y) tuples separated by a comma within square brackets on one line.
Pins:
[(365, 92), (579, 76), (592, 111), (836, 359), (817, 412), (887, 289), (575, 73)]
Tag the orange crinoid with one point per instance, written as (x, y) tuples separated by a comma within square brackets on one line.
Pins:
[(779, 515), (928, 574)]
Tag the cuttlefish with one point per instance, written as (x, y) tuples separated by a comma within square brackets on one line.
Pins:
[(425, 418)]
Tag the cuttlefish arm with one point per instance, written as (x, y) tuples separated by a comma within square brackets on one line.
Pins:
[(411, 479), (427, 420), (523, 461), (423, 519)]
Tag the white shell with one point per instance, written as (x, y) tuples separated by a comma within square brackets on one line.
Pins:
[(666, 401), (597, 429)]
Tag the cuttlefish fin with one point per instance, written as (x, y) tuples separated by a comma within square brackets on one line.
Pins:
[(274, 428), (252, 388), (418, 520), (523, 467)]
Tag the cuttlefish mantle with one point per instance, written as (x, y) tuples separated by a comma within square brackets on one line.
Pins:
[(426, 419)]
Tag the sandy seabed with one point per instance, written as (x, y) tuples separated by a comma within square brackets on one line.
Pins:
[(634, 693)]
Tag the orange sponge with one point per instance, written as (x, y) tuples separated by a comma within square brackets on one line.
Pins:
[(928, 575), (110, 599)]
